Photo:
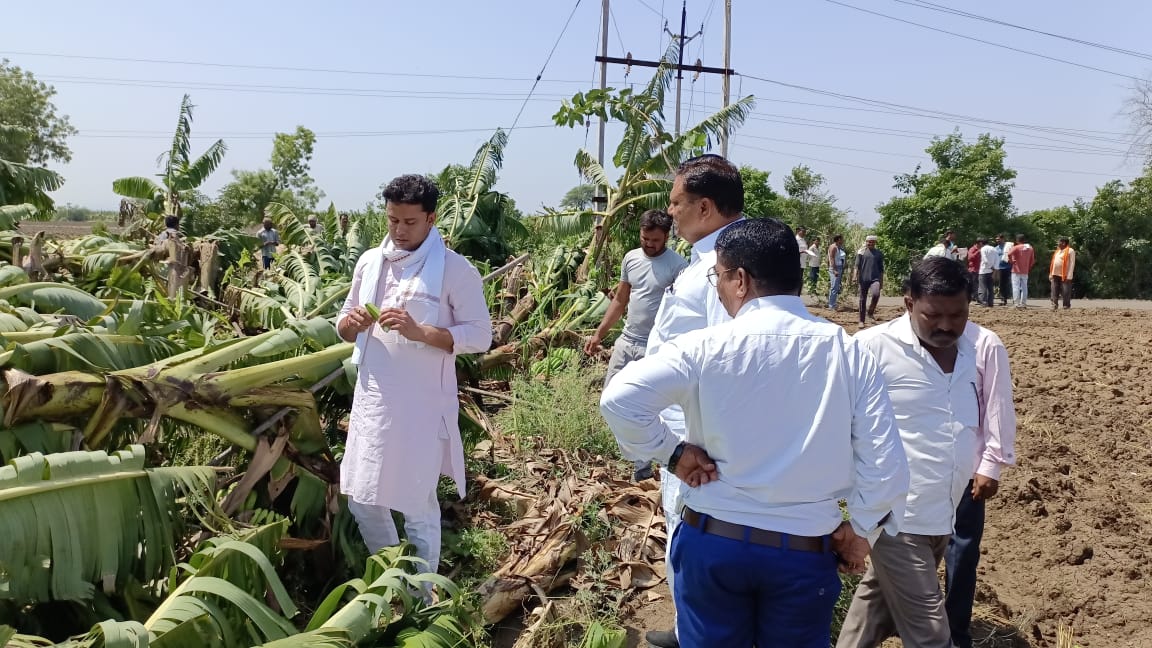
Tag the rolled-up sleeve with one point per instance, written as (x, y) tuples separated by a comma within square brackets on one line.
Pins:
[(878, 499), (999, 423), (472, 325), (632, 402)]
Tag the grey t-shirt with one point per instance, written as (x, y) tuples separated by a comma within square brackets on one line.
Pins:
[(649, 277)]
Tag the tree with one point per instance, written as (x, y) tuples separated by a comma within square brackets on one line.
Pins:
[(970, 191), (1138, 107), (578, 198), (181, 174), (809, 203), (37, 134), (246, 198), (291, 158), (760, 199)]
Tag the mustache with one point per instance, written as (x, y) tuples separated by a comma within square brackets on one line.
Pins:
[(945, 334)]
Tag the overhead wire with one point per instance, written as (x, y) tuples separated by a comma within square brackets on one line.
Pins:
[(924, 4), (545, 66), (984, 41)]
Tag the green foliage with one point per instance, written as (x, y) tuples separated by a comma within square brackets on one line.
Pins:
[(561, 411), (578, 198), (760, 200), (809, 203), (970, 191), (36, 133)]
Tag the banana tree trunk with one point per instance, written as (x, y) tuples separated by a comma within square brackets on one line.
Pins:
[(503, 329), (592, 255)]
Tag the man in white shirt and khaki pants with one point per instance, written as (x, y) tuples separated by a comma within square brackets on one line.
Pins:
[(766, 457), (930, 369)]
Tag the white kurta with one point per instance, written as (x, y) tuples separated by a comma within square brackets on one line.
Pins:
[(403, 431)]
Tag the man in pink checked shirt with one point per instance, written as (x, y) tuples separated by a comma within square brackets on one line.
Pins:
[(996, 447)]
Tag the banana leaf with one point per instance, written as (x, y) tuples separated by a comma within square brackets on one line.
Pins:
[(47, 297), (73, 521)]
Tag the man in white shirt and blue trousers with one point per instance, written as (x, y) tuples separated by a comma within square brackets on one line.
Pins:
[(930, 368), (756, 556)]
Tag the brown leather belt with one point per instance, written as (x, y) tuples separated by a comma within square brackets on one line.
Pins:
[(709, 524)]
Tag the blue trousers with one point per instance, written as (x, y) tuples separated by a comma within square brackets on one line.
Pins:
[(737, 594), (834, 294), (960, 561)]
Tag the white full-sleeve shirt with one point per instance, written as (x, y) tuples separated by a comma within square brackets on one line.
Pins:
[(996, 443), (689, 304), (938, 415), (793, 411)]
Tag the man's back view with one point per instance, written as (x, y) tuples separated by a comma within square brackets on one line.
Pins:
[(786, 416)]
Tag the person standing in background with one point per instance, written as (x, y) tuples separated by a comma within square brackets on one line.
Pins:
[(869, 274), (835, 269), (995, 449), (645, 274), (1060, 273), (989, 262), (1022, 257), (269, 240), (801, 243), (1004, 269), (974, 268), (814, 259)]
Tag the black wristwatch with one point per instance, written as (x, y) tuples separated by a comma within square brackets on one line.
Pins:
[(675, 458)]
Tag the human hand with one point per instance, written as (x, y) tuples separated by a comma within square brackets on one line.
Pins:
[(984, 487), (850, 549), (398, 319), (592, 346), (358, 320), (695, 467)]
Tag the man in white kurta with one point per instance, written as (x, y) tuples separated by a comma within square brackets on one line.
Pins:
[(930, 369), (403, 432)]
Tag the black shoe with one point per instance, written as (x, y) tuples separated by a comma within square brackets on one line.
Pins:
[(662, 639)]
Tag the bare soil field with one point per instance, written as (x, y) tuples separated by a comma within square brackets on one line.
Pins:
[(60, 230), (1069, 537)]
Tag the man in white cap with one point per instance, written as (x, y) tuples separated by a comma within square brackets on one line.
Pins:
[(869, 273)]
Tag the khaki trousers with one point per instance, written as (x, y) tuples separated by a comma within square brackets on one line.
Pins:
[(900, 594)]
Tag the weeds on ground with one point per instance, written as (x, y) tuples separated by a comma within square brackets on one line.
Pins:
[(560, 411)]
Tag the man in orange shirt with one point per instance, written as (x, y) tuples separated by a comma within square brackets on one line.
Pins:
[(1060, 273)]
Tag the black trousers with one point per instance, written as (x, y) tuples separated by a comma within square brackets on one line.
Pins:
[(1005, 285)]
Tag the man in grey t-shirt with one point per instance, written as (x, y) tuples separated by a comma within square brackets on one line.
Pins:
[(269, 240), (645, 274)]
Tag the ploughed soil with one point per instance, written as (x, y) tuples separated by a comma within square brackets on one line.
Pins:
[(1069, 537)]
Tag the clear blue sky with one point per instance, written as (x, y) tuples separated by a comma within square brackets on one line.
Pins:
[(125, 110)]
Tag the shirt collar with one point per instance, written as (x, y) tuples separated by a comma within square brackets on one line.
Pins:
[(902, 327), (708, 243), (787, 303)]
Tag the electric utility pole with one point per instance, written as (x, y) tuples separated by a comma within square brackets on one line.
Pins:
[(680, 68)]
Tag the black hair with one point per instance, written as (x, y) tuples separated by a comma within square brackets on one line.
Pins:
[(715, 178), (938, 276), (1020, 238), (172, 222), (413, 189), (838, 238), (767, 250), (1063, 239), (656, 219)]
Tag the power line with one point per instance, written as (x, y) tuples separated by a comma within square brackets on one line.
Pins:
[(616, 26), (545, 66), (927, 111), (651, 8), (986, 42), (275, 68), (131, 134), (917, 157), (923, 4), (884, 171)]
